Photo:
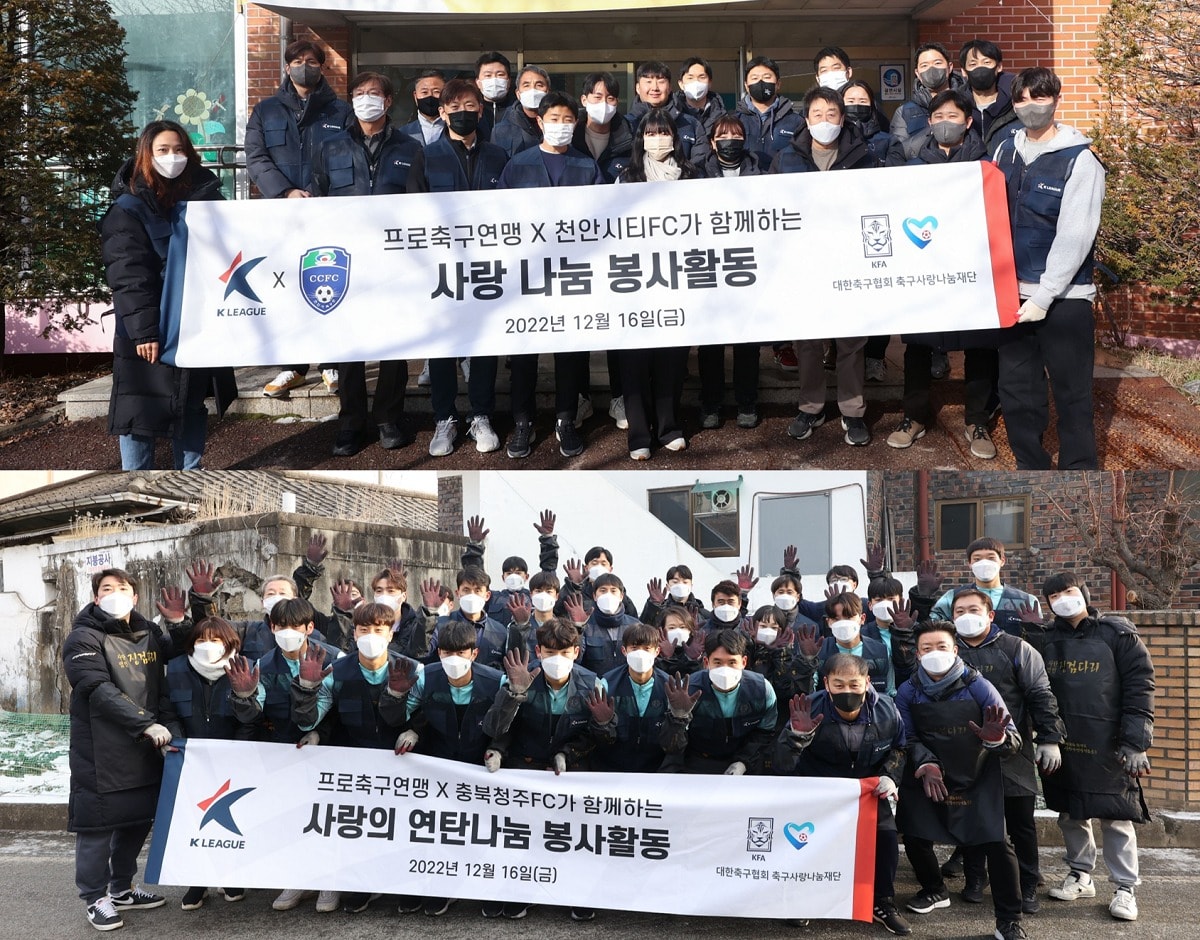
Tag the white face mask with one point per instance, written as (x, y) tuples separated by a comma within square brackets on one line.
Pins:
[(372, 645), (824, 132), (389, 600), (640, 661), (514, 582), (288, 640), (470, 604), (657, 146), (543, 601), (444, 609), (834, 80), (971, 625), (695, 90), (678, 635), (842, 587), (725, 677), (600, 112), (766, 635), (170, 165), (116, 604), (680, 591), (609, 603), (726, 613), (209, 651), (558, 135), (368, 107), (557, 667), (595, 571), (985, 570), (1068, 606), (844, 630), (456, 667), (882, 611), (270, 602), (937, 662), (494, 88), (530, 98), (786, 601)]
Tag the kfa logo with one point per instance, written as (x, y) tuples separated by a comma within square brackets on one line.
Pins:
[(234, 277), (324, 277), (218, 808), (876, 236), (760, 832)]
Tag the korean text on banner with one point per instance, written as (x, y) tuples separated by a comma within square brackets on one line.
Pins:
[(235, 812)]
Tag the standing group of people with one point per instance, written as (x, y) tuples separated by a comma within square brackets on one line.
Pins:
[(505, 130), (957, 700)]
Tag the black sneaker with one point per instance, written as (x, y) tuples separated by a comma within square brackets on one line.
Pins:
[(710, 420), (939, 366), (1029, 901), (570, 444), (234, 895), (436, 907), (410, 904), (135, 899), (582, 913), (953, 866), (747, 419), (193, 899), (349, 441), (103, 916), (1010, 930), (802, 425), (928, 901), (394, 436), (355, 903), (857, 432), (885, 913), (493, 909), (515, 910), (521, 442), (972, 891)]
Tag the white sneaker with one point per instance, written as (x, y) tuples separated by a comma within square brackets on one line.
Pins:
[(290, 898), (465, 365), (423, 378), (480, 431), (616, 411), (283, 383), (677, 444), (584, 411), (640, 453), (329, 377), (328, 901), (442, 444), (1123, 906), (1077, 884)]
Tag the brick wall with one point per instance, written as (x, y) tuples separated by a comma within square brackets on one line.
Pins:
[(450, 505), (264, 59), (1057, 34), (1143, 310)]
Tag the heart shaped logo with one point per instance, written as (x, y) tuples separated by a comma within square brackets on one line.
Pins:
[(920, 231), (798, 833)]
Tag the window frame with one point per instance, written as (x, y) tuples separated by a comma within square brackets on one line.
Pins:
[(692, 539), (979, 502)]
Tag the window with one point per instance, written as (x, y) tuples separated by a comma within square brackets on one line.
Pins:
[(802, 520), (961, 521), (707, 520)]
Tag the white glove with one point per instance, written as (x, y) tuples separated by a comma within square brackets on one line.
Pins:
[(1030, 313), (736, 769), (311, 738), (491, 760), (1048, 757), (406, 742), (560, 763), (158, 734), (886, 789)]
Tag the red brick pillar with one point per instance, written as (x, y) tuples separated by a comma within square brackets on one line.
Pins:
[(264, 58)]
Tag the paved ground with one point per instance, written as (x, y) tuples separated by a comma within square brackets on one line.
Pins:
[(1140, 420), (40, 904)]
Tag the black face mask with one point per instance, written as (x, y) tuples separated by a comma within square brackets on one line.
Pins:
[(762, 92), (859, 113), (731, 150), (428, 105), (305, 75), (847, 701), (982, 78), (463, 123)]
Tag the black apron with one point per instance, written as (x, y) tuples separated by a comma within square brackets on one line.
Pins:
[(973, 813)]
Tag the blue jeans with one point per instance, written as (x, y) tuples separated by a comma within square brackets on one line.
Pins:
[(137, 450)]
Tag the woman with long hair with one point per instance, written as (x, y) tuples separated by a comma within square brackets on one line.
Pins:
[(149, 398), (652, 379)]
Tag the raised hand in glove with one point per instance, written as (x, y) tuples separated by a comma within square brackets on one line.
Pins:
[(874, 559), (601, 706), (316, 551), (1029, 613), (173, 605), (801, 719), (929, 579), (678, 699), (791, 558), (573, 605), (745, 578), (656, 591), (545, 525), (402, 676), (902, 616), (516, 667), (995, 725), (930, 776), (242, 679), (574, 571), (808, 638), (521, 608), (203, 576), (475, 530), (342, 593), (312, 667), (431, 593)]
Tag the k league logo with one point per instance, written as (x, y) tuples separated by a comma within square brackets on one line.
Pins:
[(218, 808), (324, 277)]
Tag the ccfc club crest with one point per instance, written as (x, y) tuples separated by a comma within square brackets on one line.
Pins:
[(324, 277)]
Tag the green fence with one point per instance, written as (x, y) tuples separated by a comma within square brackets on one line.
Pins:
[(33, 754)]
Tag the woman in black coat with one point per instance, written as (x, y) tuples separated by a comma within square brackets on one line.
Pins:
[(151, 399)]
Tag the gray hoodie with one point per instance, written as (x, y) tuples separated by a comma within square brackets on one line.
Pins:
[(1078, 220)]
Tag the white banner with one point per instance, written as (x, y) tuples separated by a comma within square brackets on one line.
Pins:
[(234, 812), (756, 259)]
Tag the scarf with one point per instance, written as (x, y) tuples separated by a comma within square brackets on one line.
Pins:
[(657, 170), (934, 688), (210, 671)]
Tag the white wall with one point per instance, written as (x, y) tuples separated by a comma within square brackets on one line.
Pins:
[(611, 509)]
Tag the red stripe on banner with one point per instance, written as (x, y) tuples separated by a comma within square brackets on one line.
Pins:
[(864, 851), (1004, 268)]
